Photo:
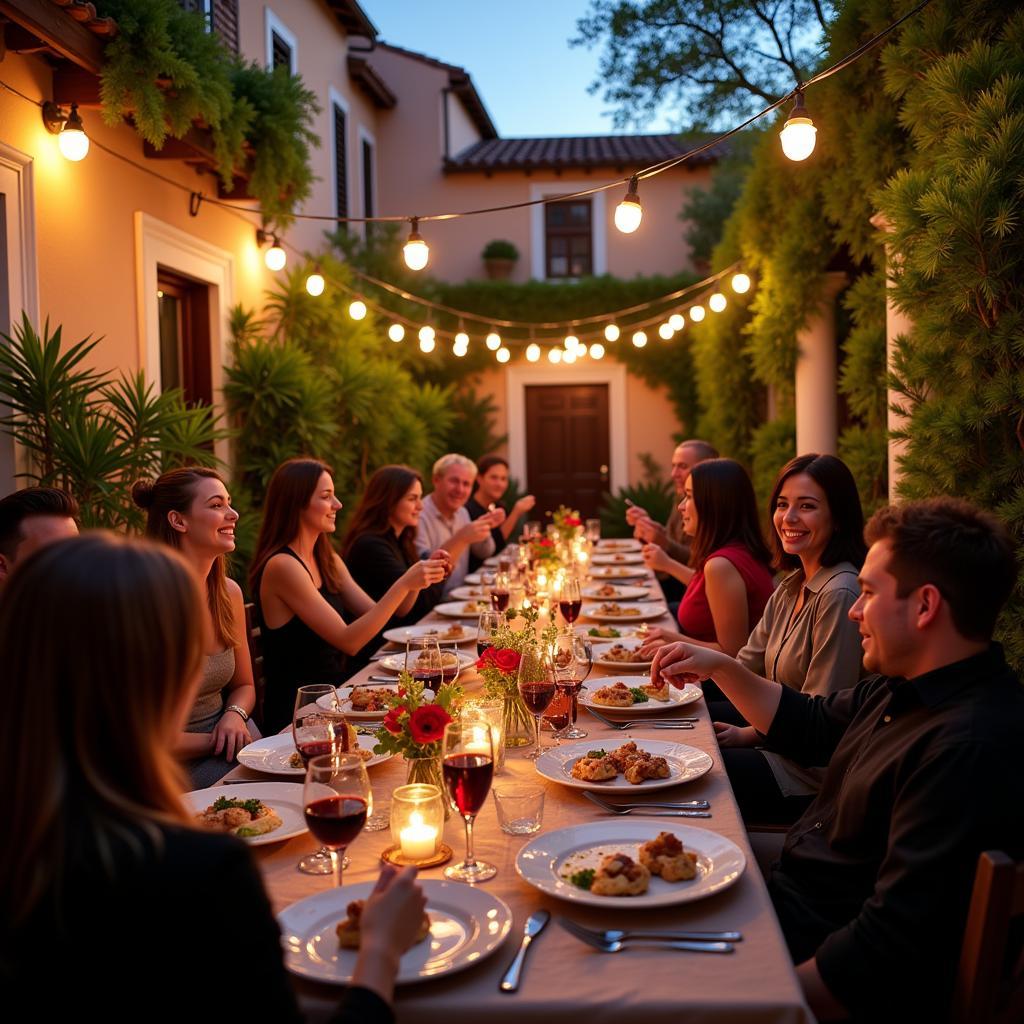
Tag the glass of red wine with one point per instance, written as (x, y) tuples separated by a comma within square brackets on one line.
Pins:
[(537, 688), (573, 658), (336, 800), (570, 600), (485, 627), (468, 766), (423, 661), (500, 591)]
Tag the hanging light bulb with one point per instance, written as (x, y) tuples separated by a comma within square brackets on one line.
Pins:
[(426, 333), (532, 352), (462, 340), (571, 343), (315, 283), (717, 302), (357, 309), (740, 283), (555, 355), (597, 350), (493, 341), (503, 355), (569, 357), (696, 314), (275, 257), (427, 344), (611, 333), (396, 332), (798, 133), (639, 339), (629, 213), (72, 141), (676, 321), (459, 350), (665, 332), (415, 250)]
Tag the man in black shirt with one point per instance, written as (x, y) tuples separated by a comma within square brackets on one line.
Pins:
[(924, 774)]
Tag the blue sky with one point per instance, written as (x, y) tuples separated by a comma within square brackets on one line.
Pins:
[(517, 53)]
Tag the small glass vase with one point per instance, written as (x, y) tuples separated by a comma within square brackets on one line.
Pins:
[(518, 720), (427, 770)]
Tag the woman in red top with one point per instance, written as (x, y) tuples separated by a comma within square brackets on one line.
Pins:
[(729, 580)]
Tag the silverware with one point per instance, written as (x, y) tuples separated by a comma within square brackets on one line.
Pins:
[(611, 935), (534, 926), (616, 945), (684, 723), (382, 679), (676, 805)]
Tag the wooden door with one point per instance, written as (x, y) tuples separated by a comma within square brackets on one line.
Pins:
[(567, 447)]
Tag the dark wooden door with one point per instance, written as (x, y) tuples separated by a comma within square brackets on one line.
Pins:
[(567, 446)]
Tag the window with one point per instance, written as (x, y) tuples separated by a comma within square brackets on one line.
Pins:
[(183, 307), (282, 46), (367, 178), (280, 52), (221, 18), (340, 165), (567, 239)]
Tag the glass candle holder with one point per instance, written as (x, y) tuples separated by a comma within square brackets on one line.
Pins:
[(417, 821), (491, 712)]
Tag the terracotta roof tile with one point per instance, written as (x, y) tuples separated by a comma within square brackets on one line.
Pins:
[(85, 13)]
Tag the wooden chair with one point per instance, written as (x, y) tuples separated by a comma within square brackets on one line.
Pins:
[(252, 636), (988, 989)]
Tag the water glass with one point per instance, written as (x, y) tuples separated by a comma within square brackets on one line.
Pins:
[(520, 809)]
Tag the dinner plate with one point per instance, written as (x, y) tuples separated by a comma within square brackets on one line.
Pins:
[(684, 764), (602, 649), (345, 694), (396, 662), (403, 634), (677, 698), (618, 558), (467, 924), (545, 860), (621, 593), (471, 577), (284, 797), (624, 633), (476, 593), (620, 572), (640, 610), (614, 544), (272, 754), (462, 609)]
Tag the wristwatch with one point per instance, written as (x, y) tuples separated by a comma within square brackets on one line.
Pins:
[(238, 711)]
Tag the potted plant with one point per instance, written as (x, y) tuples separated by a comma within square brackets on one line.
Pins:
[(500, 258)]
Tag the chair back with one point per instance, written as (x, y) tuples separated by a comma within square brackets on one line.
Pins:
[(252, 636)]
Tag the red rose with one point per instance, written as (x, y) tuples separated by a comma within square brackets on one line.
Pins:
[(506, 660), (393, 721), (572, 521), (426, 724), (485, 659)]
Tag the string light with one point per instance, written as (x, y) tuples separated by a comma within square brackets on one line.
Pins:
[(315, 283), (415, 251), (462, 340), (696, 314), (798, 133), (427, 344), (493, 341), (611, 333), (275, 257), (676, 321), (639, 339), (426, 334), (717, 302), (665, 332), (458, 349), (597, 350), (357, 309), (503, 355), (629, 212), (571, 343), (532, 352), (396, 332), (740, 283), (569, 357), (555, 355)]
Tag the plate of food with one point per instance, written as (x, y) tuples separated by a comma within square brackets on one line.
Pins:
[(636, 695), (462, 925), (619, 572), (455, 633), (630, 863), (365, 701), (258, 812), (613, 544), (621, 655), (276, 755), (611, 592), (633, 766), (396, 662), (471, 594), (614, 611), (617, 632), (462, 609), (617, 558)]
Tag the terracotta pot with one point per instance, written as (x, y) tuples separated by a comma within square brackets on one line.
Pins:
[(499, 269)]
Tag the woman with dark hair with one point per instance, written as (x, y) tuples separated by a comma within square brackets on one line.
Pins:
[(189, 510), (730, 581), (103, 640), (491, 485), (805, 638), (303, 589)]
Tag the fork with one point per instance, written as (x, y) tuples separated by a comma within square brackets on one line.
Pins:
[(682, 723), (616, 945), (612, 935), (677, 805)]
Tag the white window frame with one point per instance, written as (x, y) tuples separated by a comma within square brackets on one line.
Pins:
[(538, 235), (335, 98), (274, 24), (367, 136)]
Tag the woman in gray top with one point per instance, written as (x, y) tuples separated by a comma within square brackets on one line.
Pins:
[(805, 638)]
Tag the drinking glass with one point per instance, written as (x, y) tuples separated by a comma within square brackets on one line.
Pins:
[(537, 687), (570, 600), (451, 663), (468, 766), (423, 661), (500, 591), (487, 624), (531, 530), (573, 658), (336, 800), (592, 530)]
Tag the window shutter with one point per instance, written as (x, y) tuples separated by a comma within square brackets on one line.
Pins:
[(340, 166)]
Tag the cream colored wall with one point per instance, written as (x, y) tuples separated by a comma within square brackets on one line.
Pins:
[(462, 133)]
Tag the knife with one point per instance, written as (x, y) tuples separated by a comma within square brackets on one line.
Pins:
[(534, 926)]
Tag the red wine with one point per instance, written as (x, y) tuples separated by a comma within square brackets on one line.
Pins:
[(504, 565), (431, 678), (481, 646), (468, 777), (314, 749), (559, 709), (537, 696), (450, 672), (336, 820), (499, 600), (569, 686), (570, 610)]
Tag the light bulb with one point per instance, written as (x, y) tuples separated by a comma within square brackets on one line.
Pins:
[(665, 332), (503, 355), (611, 333), (639, 339), (571, 343), (357, 309), (462, 339), (696, 314), (415, 250), (717, 302), (798, 133), (740, 283), (597, 350), (569, 357), (629, 213), (275, 257), (315, 284), (427, 344), (676, 321), (396, 332), (459, 350), (532, 352), (493, 341), (72, 141), (555, 355), (426, 333)]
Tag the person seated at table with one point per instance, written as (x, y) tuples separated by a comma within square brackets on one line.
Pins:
[(190, 510), (491, 485), (302, 589), (445, 523), (31, 518), (103, 644), (730, 580), (805, 638), (924, 766), (380, 546)]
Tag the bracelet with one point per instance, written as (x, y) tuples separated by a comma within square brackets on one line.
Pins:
[(238, 711)]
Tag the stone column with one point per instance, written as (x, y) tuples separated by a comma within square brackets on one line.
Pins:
[(816, 429), (896, 323)]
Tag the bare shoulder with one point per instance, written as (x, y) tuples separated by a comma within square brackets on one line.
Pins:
[(284, 570), (234, 591), (720, 570)]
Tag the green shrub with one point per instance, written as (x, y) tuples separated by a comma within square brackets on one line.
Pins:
[(500, 249)]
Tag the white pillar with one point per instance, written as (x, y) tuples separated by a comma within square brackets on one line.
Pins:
[(816, 426)]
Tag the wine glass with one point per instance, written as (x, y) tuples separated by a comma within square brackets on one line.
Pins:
[(593, 530), (423, 661), (336, 800), (451, 663), (468, 766), (500, 591), (573, 658), (569, 598), (537, 688), (485, 627)]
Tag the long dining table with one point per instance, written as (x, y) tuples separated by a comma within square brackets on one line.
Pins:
[(564, 979)]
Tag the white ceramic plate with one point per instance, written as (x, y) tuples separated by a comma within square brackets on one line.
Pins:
[(462, 609), (543, 861), (611, 545), (642, 611), (472, 577), (620, 572), (475, 593), (684, 764), (618, 558), (396, 662), (403, 634), (621, 593), (467, 924), (272, 754), (602, 649), (625, 633), (677, 698), (345, 695), (284, 797)]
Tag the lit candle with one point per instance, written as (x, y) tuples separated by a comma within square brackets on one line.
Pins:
[(418, 839), (542, 580)]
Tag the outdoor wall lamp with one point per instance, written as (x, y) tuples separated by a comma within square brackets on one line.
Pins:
[(415, 250), (71, 138), (629, 213), (797, 135), (275, 257)]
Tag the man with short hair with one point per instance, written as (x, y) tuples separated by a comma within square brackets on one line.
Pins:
[(924, 766), (31, 518), (445, 523)]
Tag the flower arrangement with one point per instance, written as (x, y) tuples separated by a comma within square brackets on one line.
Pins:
[(412, 727), (544, 551), (567, 522)]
